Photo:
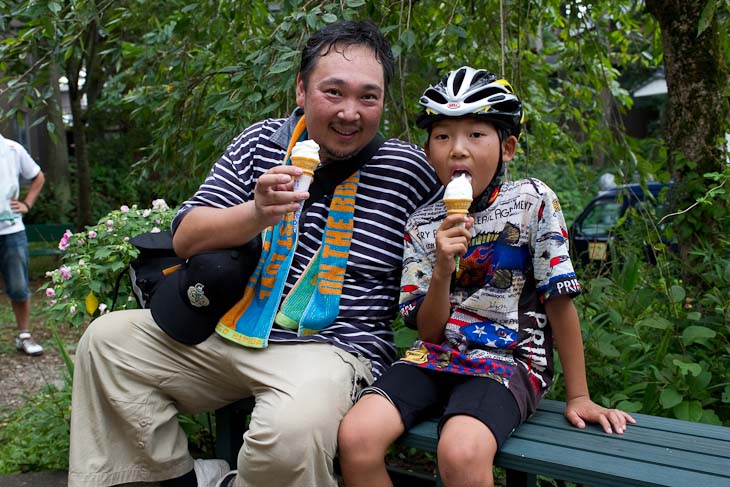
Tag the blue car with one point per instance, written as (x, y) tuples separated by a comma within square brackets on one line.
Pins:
[(593, 230)]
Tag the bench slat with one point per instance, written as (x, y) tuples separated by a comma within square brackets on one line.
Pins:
[(652, 452)]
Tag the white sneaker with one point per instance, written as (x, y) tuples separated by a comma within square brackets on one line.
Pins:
[(210, 472), (24, 343), (228, 480)]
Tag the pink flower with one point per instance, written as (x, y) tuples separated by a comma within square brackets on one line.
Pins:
[(72, 309), (92, 234), (102, 308), (63, 243), (65, 272), (50, 292), (124, 208), (146, 213), (52, 302), (82, 262), (126, 239)]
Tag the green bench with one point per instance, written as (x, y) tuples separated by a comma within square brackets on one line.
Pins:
[(654, 452), (48, 234)]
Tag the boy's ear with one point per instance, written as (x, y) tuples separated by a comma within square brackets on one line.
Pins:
[(426, 149), (509, 147)]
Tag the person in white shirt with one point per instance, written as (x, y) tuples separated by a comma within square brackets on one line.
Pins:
[(15, 162)]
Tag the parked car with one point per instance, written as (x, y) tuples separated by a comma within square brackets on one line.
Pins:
[(593, 230)]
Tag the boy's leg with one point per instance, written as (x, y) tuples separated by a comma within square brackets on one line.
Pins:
[(466, 453), (365, 434), (480, 416), (403, 396)]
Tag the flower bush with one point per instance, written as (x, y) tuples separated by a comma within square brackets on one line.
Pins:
[(82, 288)]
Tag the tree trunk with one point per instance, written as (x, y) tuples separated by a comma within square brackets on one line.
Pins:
[(57, 170), (695, 112), (83, 176)]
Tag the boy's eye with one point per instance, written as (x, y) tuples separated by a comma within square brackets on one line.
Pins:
[(440, 136), (476, 135)]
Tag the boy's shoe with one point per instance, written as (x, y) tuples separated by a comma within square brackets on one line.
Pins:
[(24, 343), (210, 472), (228, 480)]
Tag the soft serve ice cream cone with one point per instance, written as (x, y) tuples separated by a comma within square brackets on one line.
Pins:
[(457, 198), (305, 154), (458, 195)]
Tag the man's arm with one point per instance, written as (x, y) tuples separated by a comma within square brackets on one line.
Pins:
[(24, 206), (206, 228), (579, 407)]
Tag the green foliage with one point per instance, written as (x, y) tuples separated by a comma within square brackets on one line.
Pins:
[(82, 287), (35, 436), (654, 345)]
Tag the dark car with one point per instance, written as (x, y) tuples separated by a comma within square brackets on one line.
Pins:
[(592, 232)]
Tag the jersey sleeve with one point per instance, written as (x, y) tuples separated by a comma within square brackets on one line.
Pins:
[(554, 273)]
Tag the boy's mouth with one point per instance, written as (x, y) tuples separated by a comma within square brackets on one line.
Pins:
[(460, 172)]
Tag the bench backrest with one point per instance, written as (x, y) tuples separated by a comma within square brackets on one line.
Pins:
[(46, 232)]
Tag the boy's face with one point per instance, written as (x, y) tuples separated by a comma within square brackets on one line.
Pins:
[(467, 144), (343, 100)]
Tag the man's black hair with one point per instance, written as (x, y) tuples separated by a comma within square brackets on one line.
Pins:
[(346, 33)]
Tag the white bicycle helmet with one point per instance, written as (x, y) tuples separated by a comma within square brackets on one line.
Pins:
[(469, 91)]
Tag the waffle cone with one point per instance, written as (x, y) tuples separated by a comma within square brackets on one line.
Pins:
[(307, 165), (456, 206)]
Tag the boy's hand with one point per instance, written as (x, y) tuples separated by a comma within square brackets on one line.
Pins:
[(581, 409), (452, 240)]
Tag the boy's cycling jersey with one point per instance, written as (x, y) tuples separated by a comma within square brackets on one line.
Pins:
[(517, 259)]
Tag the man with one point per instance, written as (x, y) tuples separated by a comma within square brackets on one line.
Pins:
[(131, 378), (15, 162)]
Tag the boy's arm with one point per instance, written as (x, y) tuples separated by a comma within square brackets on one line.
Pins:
[(579, 407), (451, 241)]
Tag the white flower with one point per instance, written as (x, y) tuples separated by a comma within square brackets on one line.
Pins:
[(72, 309), (124, 208), (146, 213), (159, 205), (102, 308), (155, 230)]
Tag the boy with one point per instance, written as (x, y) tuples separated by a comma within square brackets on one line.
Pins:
[(484, 355)]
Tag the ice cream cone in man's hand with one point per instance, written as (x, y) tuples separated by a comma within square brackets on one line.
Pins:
[(305, 155)]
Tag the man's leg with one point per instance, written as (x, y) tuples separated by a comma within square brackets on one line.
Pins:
[(130, 382), (14, 268), (302, 392)]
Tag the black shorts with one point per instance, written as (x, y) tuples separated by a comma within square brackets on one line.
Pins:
[(419, 394)]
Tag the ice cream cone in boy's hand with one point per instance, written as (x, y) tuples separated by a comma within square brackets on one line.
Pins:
[(458, 195), (305, 154)]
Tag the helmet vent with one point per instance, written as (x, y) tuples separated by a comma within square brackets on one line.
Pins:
[(459, 79)]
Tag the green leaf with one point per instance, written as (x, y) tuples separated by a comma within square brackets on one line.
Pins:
[(629, 406), (688, 410), (706, 17), (677, 293), (606, 348), (670, 397), (687, 367), (725, 394), (355, 3), (282, 67), (329, 18), (655, 322), (697, 334)]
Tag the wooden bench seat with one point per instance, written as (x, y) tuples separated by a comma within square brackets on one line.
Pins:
[(654, 452)]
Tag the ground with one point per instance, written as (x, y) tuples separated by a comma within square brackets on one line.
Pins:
[(23, 376)]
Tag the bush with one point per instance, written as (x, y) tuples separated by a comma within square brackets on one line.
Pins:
[(83, 287)]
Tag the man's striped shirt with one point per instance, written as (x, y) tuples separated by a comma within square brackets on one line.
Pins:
[(396, 181)]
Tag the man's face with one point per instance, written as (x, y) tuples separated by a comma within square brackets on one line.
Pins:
[(343, 101)]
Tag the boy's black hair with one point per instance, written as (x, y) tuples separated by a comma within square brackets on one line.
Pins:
[(342, 34)]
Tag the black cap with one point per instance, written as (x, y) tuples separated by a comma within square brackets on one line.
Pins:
[(188, 303)]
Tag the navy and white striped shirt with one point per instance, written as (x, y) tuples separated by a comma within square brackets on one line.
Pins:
[(396, 181)]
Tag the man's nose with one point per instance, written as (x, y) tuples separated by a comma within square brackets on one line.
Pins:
[(349, 111)]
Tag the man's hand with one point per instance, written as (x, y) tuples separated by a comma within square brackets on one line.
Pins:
[(19, 207), (273, 195), (581, 409), (452, 240)]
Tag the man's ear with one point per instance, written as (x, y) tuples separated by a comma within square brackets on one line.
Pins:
[(509, 147), (301, 93)]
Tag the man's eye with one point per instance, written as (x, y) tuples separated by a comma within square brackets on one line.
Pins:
[(333, 92), (370, 97)]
